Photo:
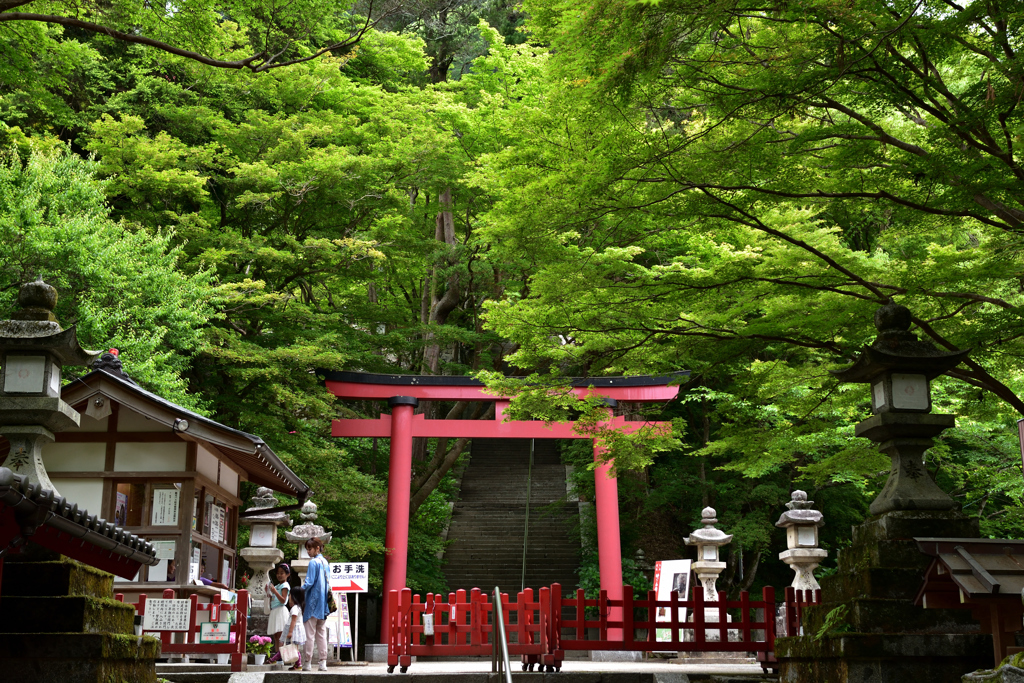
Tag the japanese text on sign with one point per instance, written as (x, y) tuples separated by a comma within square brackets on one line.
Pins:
[(349, 577), (166, 615), (215, 632)]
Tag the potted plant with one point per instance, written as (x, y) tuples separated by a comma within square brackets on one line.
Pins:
[(259, 648)]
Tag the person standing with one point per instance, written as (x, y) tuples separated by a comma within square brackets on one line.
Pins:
[(315, 613), (295, 631), (278, 607)]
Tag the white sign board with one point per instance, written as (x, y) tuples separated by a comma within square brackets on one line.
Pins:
[(166, 615), (350, 577), (165, 507), (215, 632), (217, 524), (670, 576)]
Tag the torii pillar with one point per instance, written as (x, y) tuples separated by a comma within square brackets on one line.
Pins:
[(609, 545), (396, 533)]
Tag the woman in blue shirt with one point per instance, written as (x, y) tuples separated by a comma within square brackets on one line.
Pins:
[(315, 613)]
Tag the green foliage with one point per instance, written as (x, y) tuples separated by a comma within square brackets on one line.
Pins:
[(118, 284), (835, 622), (590, 578)]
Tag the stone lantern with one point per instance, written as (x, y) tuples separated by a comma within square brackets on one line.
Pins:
[(801, 524), (302, 533), (708, 567), (33, 350), (899, 369), (708, 540), (262, 553)]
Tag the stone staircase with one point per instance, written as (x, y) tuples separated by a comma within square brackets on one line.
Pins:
[(487, 524), (59, 622)]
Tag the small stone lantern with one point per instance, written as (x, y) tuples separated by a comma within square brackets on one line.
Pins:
[(33, 350), (302, 533), (708, 540), (801, 524), (899, 368), (262, 553), (708, 567)]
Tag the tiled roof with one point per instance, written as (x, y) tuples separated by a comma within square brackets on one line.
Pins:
[(44, 507)]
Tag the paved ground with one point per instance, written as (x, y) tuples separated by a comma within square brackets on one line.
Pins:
[(479, 671)]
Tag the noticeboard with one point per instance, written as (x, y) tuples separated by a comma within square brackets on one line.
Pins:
[(167, 615)]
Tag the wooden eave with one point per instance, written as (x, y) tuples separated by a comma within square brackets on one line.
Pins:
[(248, 452)]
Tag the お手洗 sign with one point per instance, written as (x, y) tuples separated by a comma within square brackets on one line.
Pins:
[(349, 577)]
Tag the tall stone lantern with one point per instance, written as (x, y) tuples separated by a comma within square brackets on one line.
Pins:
[(708, 567), (708, 540), (302, 533), (262, 553), (899, 368), (801, 524), (33, 350)]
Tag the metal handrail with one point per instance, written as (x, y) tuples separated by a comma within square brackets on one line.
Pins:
[(500, 664)]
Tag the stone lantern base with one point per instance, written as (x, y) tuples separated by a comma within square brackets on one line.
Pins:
[(882, 636)]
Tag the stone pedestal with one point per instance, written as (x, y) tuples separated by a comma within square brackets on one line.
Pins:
[(905, 437), (804, 561), (262, 560), (882, 637)]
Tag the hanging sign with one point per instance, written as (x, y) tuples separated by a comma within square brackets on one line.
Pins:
[(349, 577)]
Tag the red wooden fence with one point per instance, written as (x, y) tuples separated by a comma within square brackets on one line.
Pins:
[(537, 629), (190, 639), (463, 627)]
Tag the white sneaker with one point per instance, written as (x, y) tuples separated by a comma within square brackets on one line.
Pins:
[(305, 667), (323, 666)]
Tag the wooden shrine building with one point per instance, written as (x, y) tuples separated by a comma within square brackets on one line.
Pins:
[(163, 473)]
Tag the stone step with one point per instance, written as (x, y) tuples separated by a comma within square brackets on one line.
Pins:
[(55, 578), (879, 616), (68, 614), (77, 657), (487, 526)]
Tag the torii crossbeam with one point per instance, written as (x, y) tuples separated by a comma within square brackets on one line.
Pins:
[(404, 392)]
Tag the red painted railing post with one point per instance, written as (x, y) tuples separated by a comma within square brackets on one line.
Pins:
[(746, 635), (723, 618), (699, 635), (628, 634), (652, 616), (768, 594), (674, 622), (239, 659)]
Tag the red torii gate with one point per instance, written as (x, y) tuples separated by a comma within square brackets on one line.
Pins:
[(404, 392)]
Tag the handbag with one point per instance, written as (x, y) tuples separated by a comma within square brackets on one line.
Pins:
[(289, 653)]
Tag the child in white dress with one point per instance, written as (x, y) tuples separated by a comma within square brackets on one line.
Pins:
[(295, 631)]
